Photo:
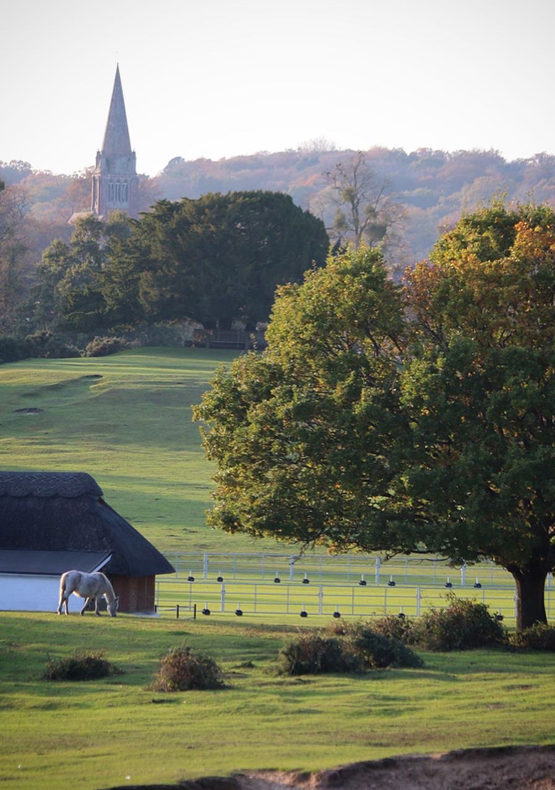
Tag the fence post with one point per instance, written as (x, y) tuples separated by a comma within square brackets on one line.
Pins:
[(463, 574), (385, 600), (205, 565), (321, 600), (291, 568), (223, 597), (177, 611), (378, 565), (418, 598)]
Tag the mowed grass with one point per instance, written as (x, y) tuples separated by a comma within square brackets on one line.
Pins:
[(126, 420), (99, 734)]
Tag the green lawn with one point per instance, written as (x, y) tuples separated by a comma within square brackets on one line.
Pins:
[(125, 419), (96, 734)]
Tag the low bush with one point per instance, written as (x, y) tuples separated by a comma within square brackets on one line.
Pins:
[(104, 346), (12, 349), (80, 665), (376, 651), (462, 625), (183, 670), (344, 647), (538, 637), (394, 627), (315, 654), (50, 345)]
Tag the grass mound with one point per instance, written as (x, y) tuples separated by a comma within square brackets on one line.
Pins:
[(80, 665), (183, 670)]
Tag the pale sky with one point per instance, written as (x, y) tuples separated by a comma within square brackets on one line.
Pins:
[(219, 78)]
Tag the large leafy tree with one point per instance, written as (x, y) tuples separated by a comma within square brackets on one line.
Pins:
[(403, 421), (220, 257)]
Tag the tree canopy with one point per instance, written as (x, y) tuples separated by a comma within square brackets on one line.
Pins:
[(407, 419), (214, 260)]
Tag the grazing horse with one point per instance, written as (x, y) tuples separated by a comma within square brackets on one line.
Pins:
[(88, 586)]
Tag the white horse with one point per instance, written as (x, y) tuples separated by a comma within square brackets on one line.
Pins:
[(88, 586)]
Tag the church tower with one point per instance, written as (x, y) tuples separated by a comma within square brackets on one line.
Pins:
[(115, 183)]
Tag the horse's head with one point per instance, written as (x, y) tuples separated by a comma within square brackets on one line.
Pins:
[(113, 607)]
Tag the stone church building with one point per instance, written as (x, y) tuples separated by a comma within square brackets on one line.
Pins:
[(115, 182)]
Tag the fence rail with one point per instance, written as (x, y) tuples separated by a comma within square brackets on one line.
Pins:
[(417, 571), (304, 600)]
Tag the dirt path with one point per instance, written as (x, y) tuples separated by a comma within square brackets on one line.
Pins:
[(505, 768)]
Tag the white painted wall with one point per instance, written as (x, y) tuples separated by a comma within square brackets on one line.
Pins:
[(26, 593)]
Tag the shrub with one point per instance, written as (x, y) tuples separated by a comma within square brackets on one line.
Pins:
[(344, 647), (462, 625), (183, 670), (104, 346), (400, 628), (12, 349), (377, 651), (49, 345), (538, 637), (315, 654), (80, 665)]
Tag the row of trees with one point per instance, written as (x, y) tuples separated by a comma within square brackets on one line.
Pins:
[(404, 419)]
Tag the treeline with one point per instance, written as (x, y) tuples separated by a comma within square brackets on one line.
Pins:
[(432, 186)]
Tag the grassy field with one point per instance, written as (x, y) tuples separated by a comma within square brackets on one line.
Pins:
[(125, 419), (103, 733)]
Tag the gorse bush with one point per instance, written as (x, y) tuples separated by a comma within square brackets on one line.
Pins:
[(538, 637), (401, 628), (12, 349), (376, 651), (462, 625), (104, 346), (80, 665), (183, 670), (315, 654), (50, 345), (344, 648)]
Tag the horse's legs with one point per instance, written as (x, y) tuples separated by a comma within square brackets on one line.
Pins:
[(63, 602), (85, 606), (96, 607)]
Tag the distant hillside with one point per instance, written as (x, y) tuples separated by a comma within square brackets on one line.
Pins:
[(433, 187)]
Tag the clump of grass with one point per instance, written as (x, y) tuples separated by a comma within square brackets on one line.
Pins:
[(80, 665), (183, 670)]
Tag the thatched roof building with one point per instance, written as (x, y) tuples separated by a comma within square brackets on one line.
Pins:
[(51, 522)]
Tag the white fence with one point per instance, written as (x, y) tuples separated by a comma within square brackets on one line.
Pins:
[(350, 569), (332, 600)]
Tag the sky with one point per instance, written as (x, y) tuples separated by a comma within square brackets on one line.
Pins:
[(221, 78)]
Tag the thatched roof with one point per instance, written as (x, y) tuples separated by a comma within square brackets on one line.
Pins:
[(65, 511)]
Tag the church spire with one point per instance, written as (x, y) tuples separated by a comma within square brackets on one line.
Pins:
[(116, 136), (115, 184)]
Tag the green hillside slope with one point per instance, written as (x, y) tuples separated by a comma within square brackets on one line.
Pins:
[(126, 420)]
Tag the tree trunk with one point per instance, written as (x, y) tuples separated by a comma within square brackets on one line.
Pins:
[(530, 590)]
